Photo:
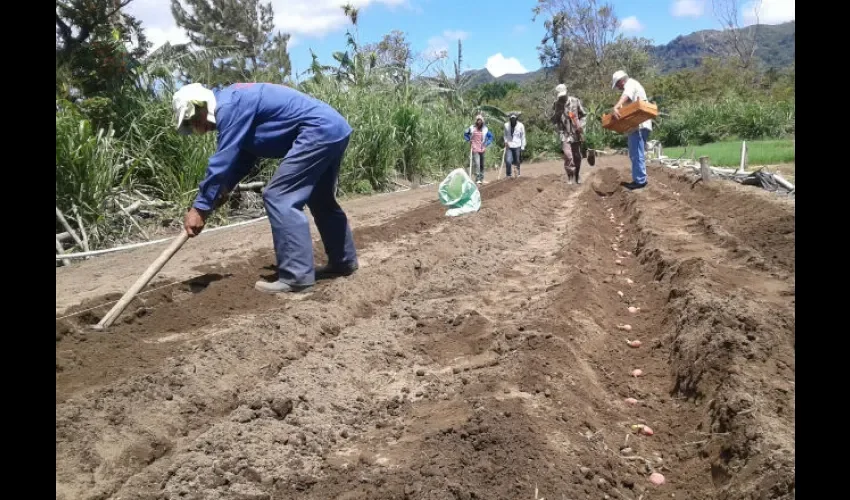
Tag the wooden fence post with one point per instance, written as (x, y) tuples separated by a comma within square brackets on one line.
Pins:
[(743, 166), (704, 168)]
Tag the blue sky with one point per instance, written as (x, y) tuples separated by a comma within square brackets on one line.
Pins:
[(497, 34)]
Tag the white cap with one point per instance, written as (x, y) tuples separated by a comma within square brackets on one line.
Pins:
[(561, 90), (619, 75), (184, 102)]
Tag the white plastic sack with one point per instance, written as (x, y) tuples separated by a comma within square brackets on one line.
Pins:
[(459, 193)]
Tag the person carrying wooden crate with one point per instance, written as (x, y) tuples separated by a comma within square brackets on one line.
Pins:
[(637, 137)]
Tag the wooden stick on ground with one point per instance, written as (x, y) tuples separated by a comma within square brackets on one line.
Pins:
[(81, 226), (143, 280), (250, 186), (133, 220), (783, 182), (68, 227), (61, 251), (136, 205)]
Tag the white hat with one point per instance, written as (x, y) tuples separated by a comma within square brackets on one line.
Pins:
[(184, 102), (619, 75), (561, 90)]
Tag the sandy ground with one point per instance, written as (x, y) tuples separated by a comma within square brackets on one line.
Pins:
[(478, 357)]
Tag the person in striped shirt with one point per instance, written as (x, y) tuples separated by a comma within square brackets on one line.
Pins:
[(479, 137)]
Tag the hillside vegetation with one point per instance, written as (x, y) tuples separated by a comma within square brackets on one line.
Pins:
[(775, 47)]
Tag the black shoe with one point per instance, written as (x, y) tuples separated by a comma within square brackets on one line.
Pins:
[(330, 272), (634, 185)]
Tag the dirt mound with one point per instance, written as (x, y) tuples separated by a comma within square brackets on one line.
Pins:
[(758, 218), (479, 357)]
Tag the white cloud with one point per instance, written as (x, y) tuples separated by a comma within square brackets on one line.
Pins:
[(439, 45), (631, 24), (519, 29), (768, 12), (688, 8), (300, 18), (498, 65), (173, 35)]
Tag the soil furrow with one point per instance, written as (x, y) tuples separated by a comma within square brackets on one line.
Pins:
[(478, 357)]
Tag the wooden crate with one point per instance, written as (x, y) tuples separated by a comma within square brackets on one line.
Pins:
[(631, 115)]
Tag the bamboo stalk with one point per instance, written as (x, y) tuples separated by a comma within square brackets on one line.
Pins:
[(68, 227), (135, 223), (81, 226), (61, 251)]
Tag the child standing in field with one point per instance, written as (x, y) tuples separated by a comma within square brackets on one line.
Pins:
[(479, 137)]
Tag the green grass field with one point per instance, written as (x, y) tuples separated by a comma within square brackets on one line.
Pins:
[(728, 153)]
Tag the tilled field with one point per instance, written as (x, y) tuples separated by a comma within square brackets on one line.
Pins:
[(481, 357)]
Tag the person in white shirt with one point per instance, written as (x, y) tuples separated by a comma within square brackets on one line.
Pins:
[(633, 91), (514, 143)]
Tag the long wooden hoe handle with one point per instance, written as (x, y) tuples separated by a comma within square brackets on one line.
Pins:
[(143, 280), (504, 150)]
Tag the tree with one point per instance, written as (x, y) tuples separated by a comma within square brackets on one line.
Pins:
[(355, 63), (91, 53), (244, 26), (392, 50), (734, 41), (80, 21), (493, 91), (279, 66), (459, 62), (392, 55), (583, 44), (453, 90), (578, 34), (362, 65)]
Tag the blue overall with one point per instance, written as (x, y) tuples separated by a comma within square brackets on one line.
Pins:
[(273, 121)]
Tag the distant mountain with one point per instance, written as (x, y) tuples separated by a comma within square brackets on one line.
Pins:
[(482, 76), (775, 47)]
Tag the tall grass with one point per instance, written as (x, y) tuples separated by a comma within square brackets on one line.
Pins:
[(396, 133), (707, 121), (90, 164)]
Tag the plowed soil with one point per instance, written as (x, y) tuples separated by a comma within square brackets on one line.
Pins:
[(479, 357)]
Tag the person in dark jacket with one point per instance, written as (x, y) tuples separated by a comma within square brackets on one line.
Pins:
[(570, 118)]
